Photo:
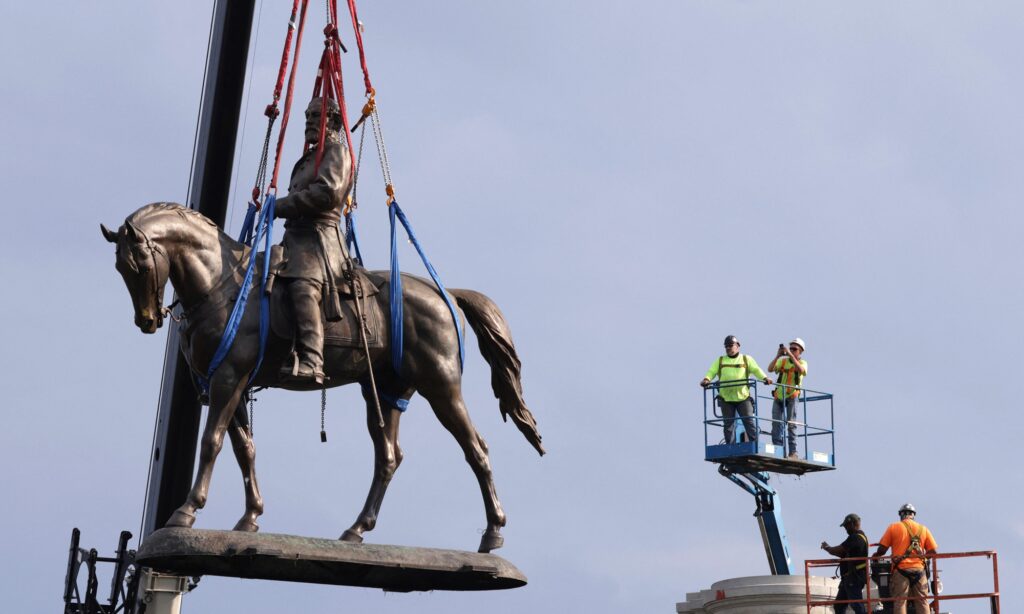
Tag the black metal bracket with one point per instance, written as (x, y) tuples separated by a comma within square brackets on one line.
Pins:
[(124, 582)]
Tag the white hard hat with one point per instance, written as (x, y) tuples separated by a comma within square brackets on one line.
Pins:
[(799, 342), (908, 508)]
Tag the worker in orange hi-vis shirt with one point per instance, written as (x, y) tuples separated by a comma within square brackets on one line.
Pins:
[(910, 542)]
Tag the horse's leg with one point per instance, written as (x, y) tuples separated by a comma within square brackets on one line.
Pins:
[(245, 454), (225, 393), (387, 457), (450, 409)]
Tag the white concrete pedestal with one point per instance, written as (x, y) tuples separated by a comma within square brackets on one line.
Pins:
[(760, 595), (161, 593)]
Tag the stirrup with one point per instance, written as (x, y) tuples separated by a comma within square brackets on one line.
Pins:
[(296, 373), (292, 371)]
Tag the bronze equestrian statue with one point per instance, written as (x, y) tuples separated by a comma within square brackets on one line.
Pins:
[(164, 242)]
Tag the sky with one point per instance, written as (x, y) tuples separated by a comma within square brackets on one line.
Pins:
[(630, 182)]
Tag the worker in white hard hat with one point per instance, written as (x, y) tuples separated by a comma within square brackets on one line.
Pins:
[(791, 369), (911, 542)]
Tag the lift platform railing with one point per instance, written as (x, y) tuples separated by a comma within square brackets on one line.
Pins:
[(884, 562), (811, 405)]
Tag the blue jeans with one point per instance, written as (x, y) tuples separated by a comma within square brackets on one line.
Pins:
[(746, 411), (851, 586), (777, 418)]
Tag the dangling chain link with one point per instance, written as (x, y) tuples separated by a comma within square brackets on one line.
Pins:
[(252, 412), (323, 410)]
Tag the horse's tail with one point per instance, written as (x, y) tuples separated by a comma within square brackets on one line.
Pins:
[(496, 345)]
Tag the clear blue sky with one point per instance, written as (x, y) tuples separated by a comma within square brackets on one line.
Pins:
[(630, 182)]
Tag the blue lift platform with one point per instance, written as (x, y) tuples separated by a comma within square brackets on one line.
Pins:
[(749, 461)]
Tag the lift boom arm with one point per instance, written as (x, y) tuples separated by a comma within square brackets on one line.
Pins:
[(768, 514)]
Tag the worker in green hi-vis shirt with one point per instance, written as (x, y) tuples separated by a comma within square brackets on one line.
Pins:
[(735, 399)]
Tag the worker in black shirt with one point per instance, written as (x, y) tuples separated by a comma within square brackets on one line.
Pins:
[(852, 574)]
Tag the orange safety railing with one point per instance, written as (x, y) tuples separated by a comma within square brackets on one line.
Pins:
[(933, 561)]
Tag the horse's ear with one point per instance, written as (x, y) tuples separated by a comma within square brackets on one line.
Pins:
[(108, 234), (132, 232)]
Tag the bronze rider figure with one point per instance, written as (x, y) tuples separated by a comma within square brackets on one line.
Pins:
[(314, 252)]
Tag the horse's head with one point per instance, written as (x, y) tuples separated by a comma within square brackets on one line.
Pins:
[(145, 268)]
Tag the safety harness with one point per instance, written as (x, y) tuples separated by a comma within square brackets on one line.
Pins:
[(746, 370), (860, 566), (746, 367), (784, 373), (914, 550)]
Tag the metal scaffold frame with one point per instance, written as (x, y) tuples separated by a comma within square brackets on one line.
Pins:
[(933, 563)]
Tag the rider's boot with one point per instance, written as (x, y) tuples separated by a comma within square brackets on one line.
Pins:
[(307, 367)]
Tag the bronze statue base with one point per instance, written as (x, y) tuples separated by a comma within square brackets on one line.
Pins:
[(268, 556)]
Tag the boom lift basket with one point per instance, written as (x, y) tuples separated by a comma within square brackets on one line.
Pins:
[(815, 433)]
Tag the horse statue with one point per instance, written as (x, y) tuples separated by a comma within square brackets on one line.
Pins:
[(166, 241)]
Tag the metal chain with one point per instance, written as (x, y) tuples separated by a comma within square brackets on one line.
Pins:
[(323, 410), (359, 165), (382, 153), (252, 412), (261, 173), (261, 170)]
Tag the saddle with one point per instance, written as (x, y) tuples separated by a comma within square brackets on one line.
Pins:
[(345, 331)]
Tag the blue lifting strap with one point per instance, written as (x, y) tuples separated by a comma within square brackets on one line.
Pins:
[(267, 227), (250, 218), (351, 240), (396, 289), (390, 400), (264, 230)]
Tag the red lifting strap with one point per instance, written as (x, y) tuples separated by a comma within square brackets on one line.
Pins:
[(359, 43), (291, 85), (339, 89), (272, 110), (329, 83)]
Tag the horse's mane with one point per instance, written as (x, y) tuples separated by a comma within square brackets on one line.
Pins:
[(156, 209)]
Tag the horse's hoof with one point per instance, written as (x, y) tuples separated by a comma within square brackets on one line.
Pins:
[(492, 540), (351, 537), (246, 525), (181, 519)]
